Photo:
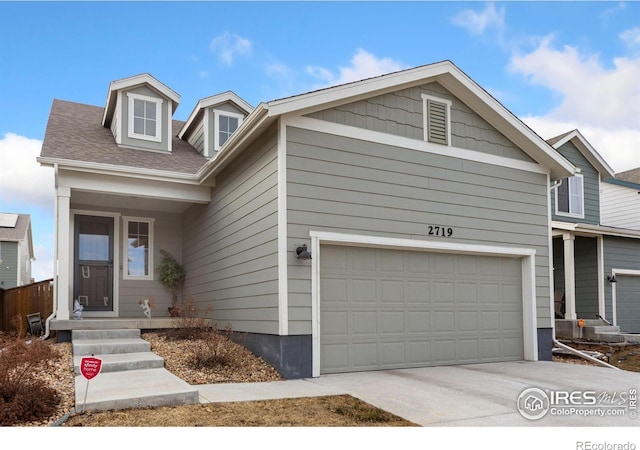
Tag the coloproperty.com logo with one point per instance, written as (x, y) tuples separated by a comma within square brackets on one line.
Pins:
[(535, 403)]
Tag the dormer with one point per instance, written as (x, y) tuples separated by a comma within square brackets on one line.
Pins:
[(139, 112), (213, 121)]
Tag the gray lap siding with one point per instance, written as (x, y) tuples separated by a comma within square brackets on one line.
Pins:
[(230, 245), (346, 185)]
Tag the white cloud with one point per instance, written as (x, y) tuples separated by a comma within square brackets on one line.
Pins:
[(22, 180), (478, 22), (227, 46), (603, 102), (363, 65), (631, 37)]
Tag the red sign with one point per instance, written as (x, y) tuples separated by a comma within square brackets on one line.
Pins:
[(90, 367)]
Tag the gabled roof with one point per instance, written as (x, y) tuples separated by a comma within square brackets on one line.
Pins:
[(445, 73), (75, 137), (214, 100), (134, 81), (15, 228), (587, 150)]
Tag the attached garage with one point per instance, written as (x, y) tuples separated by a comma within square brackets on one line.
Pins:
[(385, 307), (627, 302)]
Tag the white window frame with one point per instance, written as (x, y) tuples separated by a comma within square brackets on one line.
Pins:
[(572, 195), (425, 117), (158, 101), (125, 248), (216, 125)]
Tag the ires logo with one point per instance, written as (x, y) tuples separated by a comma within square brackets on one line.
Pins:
[(535, 403)]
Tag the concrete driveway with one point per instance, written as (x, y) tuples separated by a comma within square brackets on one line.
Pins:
[(470, 395), (487, 394)]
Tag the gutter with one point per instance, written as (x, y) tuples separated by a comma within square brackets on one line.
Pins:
[(553, 322), (55, 259)]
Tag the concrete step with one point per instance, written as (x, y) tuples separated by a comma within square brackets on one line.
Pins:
[(133, 389), (88, 347), (124, 361), (105, 334)]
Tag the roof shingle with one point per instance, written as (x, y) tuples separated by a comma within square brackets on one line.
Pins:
[(74, 132)]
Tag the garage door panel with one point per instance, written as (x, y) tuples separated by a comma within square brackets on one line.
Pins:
[(392, 322), (442, 293), (364, 323), (628, 303), (413, 309), (392, 291)]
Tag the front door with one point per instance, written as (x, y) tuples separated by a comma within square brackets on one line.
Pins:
[(93, 268)]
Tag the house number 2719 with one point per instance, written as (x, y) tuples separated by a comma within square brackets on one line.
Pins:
[(436, 230)]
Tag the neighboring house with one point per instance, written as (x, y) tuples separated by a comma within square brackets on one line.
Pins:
[(589, 246), (621, 209), (422, 202), (16, 250)]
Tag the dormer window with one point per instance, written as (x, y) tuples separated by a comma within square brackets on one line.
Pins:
[(145, 117), (225, 124)]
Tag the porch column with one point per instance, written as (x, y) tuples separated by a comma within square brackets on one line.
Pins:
[(569, 276), (63, 251)]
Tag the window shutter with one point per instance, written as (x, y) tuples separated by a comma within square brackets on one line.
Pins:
[(437, 122)]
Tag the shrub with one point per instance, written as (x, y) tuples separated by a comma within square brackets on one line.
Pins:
[(213, 348), (190, 322), (23, 396)]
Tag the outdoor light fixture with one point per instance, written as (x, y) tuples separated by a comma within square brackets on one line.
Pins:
[(302, 253), (611, 279)]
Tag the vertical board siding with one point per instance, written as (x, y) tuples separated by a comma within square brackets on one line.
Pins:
[(591, 187), (9, 268), (619, 253), (401, 113), (620, 206), (586, 261), (230, 245), (346, 185)]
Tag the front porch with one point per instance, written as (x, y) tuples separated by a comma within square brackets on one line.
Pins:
[(63, 328)]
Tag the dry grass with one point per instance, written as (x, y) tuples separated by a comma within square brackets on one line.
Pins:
[(329, 411)]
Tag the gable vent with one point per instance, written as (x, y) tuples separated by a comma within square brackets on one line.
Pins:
[(437, 122)]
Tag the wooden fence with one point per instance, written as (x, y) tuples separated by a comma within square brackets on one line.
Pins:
[(23, 300)]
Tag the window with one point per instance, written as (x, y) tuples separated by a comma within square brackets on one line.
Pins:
[(138, 249), (570, 197), (145, 117), (436, 112), (225, 124)]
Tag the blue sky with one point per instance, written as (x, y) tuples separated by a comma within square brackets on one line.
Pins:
[(556, 65)]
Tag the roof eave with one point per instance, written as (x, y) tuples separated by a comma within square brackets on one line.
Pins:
[(588, 151), (118, 170)]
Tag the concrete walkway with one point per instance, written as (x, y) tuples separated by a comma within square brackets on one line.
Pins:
[(467, 395)]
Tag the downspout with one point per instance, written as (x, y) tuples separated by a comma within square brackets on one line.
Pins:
[(553, 322), (55, 257)]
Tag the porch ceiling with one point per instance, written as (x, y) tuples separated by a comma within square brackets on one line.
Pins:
[(93, 199)]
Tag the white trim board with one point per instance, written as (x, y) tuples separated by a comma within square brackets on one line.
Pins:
[(318, 238), (412, 144)]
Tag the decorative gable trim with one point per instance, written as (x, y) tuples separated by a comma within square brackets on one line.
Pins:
[(200, 109)]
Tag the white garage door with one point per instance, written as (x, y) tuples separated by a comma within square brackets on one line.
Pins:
[(382, 309)]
